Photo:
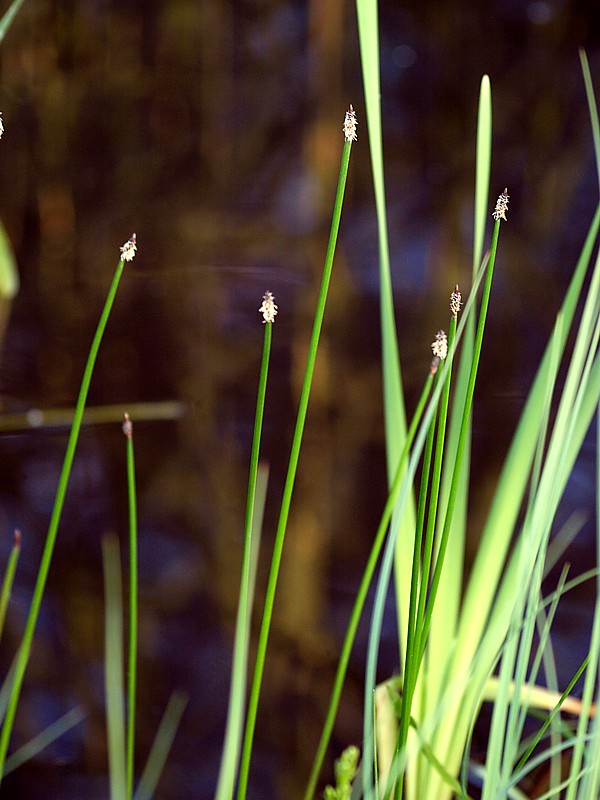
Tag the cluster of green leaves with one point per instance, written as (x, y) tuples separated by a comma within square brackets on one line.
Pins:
[(459, 650)]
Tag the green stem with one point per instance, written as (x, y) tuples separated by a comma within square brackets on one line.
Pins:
[(420, 569), (413, 645), (42, 576), (231, 745), (9, 577), (361, 595), (464, 430), (290, 479), (133, 607)]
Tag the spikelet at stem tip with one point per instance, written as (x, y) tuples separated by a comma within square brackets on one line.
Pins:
[(268, 308), (129, 248), (350, 124), (440, 345), (501, 206), (127, 426), (455, 301)]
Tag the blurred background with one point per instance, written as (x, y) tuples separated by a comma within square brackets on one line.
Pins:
[(212, 128)]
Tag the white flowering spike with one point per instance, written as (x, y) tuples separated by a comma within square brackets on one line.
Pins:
[(440, 346), (268, 308), (127, 426), (129, 248), (1, 125), (350, 124), (501, 206), (455, 301)]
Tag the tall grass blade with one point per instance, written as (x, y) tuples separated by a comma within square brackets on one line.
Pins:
[(395, 416), (161, 746), (133, 605), (237, 693), (8, 17), (113, 668), (9, 577), (53, 732)]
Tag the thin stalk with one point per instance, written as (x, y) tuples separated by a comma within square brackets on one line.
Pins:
[(231, 746), (9, 577), (421, 565), (349, 131), (417, 612), (374, 634), (133, 606), (395, 532), (113, 669), (548, 721), (361, 594), (464, 429), (42, 576), (161, 746)]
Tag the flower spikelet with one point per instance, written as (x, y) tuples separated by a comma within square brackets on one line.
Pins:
[(440, 345), (501, 206), (350, 124), (127, 426), (268, 308), (129, 248), (455, 301)]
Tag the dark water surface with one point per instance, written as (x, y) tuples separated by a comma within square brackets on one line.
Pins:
[(213, 130)]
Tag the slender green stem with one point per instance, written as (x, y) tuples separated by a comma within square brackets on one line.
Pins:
[(420, 571), (161, 746), (413, 646), (361, 595), (290, 479), (113, 669), (548, 721), (42, 576), (231, 745), (9, 577), (464, 429), (133, 607)]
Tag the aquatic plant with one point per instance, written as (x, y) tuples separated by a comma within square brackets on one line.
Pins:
[(461, 650)]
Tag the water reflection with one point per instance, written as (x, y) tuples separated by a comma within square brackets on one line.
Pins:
[(214, 130)]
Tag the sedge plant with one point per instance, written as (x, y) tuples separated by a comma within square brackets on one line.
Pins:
[(450, 644), (252, 528), (349, 130)]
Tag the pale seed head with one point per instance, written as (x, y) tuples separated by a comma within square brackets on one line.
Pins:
[(440, 345), (455, 301), (129, 248), (350, 124), (501, 206), (268, 308)]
